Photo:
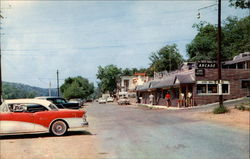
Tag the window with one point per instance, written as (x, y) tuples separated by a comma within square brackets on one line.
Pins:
[(212, 87), (201, 88), (225, 88), (245, 84), (53, 107)]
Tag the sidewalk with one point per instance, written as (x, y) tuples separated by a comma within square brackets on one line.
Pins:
[(227, 103)]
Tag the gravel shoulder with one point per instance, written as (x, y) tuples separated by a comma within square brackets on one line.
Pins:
[(236, 118)]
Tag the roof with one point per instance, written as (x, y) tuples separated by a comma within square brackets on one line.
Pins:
[(32, 101), (243, 59), (164, 83), (184, 79), (143, 87), (140, 74), (239, 58)]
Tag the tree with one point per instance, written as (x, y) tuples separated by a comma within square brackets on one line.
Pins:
[(77, 87), (243, 4), (167, 58), (108, 76), (235, 40), (203, 46)]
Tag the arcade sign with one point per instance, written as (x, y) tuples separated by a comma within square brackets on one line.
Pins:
[(206, 65)]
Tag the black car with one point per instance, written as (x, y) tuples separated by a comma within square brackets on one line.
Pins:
[(61, 102)]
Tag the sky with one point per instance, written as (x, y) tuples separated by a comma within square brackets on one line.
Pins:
[(75, 37)]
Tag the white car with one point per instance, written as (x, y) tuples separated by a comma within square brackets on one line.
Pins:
[(102, 101), (21, 116), (123, 100), (110, 99)]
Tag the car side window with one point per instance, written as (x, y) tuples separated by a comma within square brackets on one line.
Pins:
[(32, 108)]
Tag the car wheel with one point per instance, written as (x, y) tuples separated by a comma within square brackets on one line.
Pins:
[(59, 128)]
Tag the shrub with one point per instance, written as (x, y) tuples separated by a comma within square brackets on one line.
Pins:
[(242, 107), (220, 110)]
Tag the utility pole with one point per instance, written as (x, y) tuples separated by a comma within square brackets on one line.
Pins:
[(58, 90), (219, 54), (49, 88)]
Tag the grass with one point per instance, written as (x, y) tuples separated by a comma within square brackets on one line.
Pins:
[(220, 110), (243, 106)]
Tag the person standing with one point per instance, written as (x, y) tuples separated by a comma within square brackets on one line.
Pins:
[(189, 99), (168, 97), (182, 99), (151, 99)]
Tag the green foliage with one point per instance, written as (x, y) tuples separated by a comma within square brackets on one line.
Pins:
[(14, 91), (220, 110), (203, 46), (167, 58), (243, 106), (235, 40), (108, 76), (243, 4), (77, 87)]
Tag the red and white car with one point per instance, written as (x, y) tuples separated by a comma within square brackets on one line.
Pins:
[(21, 116)]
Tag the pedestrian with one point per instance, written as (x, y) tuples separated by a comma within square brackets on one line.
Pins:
[(182, 99), (189, 99), (168, 97), (151, 99)]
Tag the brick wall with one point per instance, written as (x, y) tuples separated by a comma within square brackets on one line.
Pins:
[(234, 76)]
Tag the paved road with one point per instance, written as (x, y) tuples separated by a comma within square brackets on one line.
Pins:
[(140, 133), (129, 132)]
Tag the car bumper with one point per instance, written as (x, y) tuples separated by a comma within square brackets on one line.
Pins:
[(85, 124)]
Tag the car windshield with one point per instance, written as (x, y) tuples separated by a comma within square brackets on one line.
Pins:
[(53, 107)]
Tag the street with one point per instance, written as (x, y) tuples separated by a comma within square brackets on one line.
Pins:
[(134, 132)]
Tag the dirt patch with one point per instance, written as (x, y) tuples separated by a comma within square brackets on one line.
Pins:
[(235, 118)]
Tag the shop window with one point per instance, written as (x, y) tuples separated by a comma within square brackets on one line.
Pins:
[(212, 88), (225, 88), (201, 88), (245, 84)]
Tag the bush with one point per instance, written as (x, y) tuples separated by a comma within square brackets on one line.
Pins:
[(242, 107), (220, 110)]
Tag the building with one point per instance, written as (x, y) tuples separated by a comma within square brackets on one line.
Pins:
[(200, 81), (128, 84)]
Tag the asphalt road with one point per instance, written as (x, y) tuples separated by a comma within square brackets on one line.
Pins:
[(130, 132)]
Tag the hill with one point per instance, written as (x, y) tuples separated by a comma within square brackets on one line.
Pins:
[(18, 90)]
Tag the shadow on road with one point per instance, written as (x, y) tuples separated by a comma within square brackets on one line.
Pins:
[(43, 135)]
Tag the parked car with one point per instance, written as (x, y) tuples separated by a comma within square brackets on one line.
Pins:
[(123, 100), (110, 99), (77, 100), (21, 116), (101, 101), (61, 102)]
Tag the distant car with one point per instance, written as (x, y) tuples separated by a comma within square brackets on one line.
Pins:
[(77, 100), (60, 102), (101, 101), (21, 116), (123, 100), (110, 99)]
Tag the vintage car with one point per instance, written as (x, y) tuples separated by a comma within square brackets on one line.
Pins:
[(110, 99), (21, 116), (123, 100), (102, 101), (61, 102)]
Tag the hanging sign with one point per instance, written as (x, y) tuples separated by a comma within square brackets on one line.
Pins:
[(199, 72)]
